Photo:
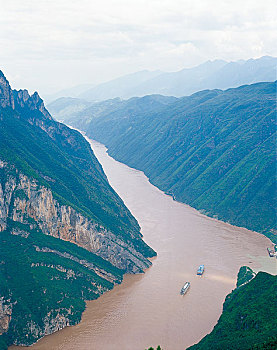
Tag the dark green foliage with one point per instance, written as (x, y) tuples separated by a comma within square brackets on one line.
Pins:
[(249, 319), (269, 344), (3, 343), (42, 283), (66, 165), (62, 160), (116, 108), (214, 150), (245, 275), (44, 279)]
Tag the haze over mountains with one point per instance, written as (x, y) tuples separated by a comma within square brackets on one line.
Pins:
[(216, 74), (138, 141), (151, 133), (214, 150), (67, 237), (74, 91)]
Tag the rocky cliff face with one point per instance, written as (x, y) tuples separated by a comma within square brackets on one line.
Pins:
[(5, 313), (21, 98), (65, 235), (23, 200), (33, 102), (6, 95)]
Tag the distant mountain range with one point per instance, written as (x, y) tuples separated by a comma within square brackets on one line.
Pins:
[(210, 75), (106, 90), (74, 91), (214, 150), (67, 109), (216, 74), (64, 107)]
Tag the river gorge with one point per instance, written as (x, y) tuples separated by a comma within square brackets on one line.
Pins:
[(147, 309)]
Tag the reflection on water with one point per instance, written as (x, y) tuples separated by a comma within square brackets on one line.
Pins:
[(147, 310), (222, 279)]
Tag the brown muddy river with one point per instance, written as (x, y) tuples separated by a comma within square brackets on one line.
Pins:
[(147, 309)]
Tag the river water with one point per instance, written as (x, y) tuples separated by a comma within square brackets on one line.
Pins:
[(147, 309)]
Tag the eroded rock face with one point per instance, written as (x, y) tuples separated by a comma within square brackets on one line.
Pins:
[(100, 272), (53, 322), (6, 94), (6, 191), (22, 99), (28, 209), (5, 314), (24, 201)]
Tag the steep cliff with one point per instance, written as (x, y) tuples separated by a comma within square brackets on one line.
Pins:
[(24, 201), (6, 94), (65, 235)]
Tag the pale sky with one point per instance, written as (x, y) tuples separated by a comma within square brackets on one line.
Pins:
[(48, 45)]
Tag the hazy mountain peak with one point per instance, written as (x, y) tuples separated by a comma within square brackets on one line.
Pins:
[(123, 87), (6, 95), (211, 74), (18, 99), (265, 58), (23, 99), (209, 63), (70, 92)]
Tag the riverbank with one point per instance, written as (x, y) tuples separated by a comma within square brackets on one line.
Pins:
[(148, 309)]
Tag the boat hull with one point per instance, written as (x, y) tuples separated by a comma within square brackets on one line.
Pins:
[(185, 288), (200, 270)]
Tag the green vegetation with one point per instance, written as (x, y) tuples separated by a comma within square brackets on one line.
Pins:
[(41, 284), (245, 275), (214, 150), (62, 160), (269, 344), (44, 281), (3, 343), (249, 319)]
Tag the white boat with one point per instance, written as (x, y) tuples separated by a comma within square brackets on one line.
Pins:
[(185, 288)]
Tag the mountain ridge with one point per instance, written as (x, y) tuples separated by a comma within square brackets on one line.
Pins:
[(208, 75), (217, 74), (66, 236), (196, 147)]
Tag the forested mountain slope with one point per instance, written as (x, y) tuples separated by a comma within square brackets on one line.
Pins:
[(214, 150), (216, 74), (65, 109), (66, 236)]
